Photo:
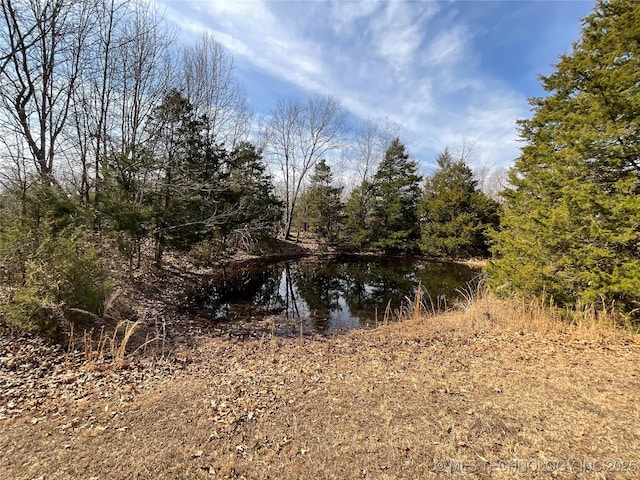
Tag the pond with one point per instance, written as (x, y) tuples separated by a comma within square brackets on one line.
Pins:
[(328, 295)]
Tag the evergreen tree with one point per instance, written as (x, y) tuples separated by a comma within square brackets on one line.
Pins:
[(323, 202), (124, 207), (250, 196), (51, 264), (396, 192), (571, 222), (358, 212), (189, 173), (454, 214), (186, 190)]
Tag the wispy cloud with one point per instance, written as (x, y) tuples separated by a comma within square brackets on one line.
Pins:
[(345, 15), (420, 63), (398, 31), (449, 47), (249, 30)]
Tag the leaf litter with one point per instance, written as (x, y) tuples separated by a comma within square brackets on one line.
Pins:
[(388, 403)]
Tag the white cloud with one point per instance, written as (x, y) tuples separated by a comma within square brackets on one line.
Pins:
[(490, 123), (185, 22), (448, 47), (235, 45), (390, 59), (344, 14), (399, 31), (250, 30)]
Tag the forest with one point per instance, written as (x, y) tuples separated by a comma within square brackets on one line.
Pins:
[(117, 140)]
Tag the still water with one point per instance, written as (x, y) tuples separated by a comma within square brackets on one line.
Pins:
[(329, 295)]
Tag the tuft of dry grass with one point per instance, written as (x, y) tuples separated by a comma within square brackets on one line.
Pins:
[(113, 347), (112, 343)]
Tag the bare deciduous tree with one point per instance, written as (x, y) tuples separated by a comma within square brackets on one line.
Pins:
[(15, 169), (147, 77), (125, 76), (466, 151), (298, 135), (491, 180), (93, 100), (371, 140), (9, 48), (44, 40), (212, 88)]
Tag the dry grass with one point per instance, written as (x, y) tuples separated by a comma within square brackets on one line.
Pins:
[(113, 344), (117, 341), (497, 388), (481, 311)]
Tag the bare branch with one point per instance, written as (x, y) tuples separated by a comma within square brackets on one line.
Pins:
[(213, 89), (299, 134)]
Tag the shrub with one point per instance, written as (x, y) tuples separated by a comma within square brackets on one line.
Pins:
[(52, 271)]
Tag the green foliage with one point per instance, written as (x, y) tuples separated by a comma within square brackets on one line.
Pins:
[(255, 211), (53, 271), (323, 204), (55, 206), (207, 252), (455, 215), (571, 226), (300, 222), (185, 190), (358, 212), (187, 166), (124, 209), (396, 192)]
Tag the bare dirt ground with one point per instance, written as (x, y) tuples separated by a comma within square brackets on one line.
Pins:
[(478, 393)]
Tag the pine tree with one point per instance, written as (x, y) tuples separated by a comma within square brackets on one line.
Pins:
[(188, 175), (323, 202), (396, 190), (455, 215), (250, 196), (571, 226), (358, 212)]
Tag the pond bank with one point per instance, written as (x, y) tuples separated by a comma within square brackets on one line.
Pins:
[(309, 246), (156, 298), (454, 393), (160, 294)]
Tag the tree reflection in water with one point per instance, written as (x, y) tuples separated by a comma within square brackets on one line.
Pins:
[(329, 295)]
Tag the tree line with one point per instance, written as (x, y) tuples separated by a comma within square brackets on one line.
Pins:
[(398, 211), (111, 133)]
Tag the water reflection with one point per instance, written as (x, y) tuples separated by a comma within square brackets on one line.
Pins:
[(327, 296)]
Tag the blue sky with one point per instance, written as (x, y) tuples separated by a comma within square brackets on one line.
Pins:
[(445, 71)]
